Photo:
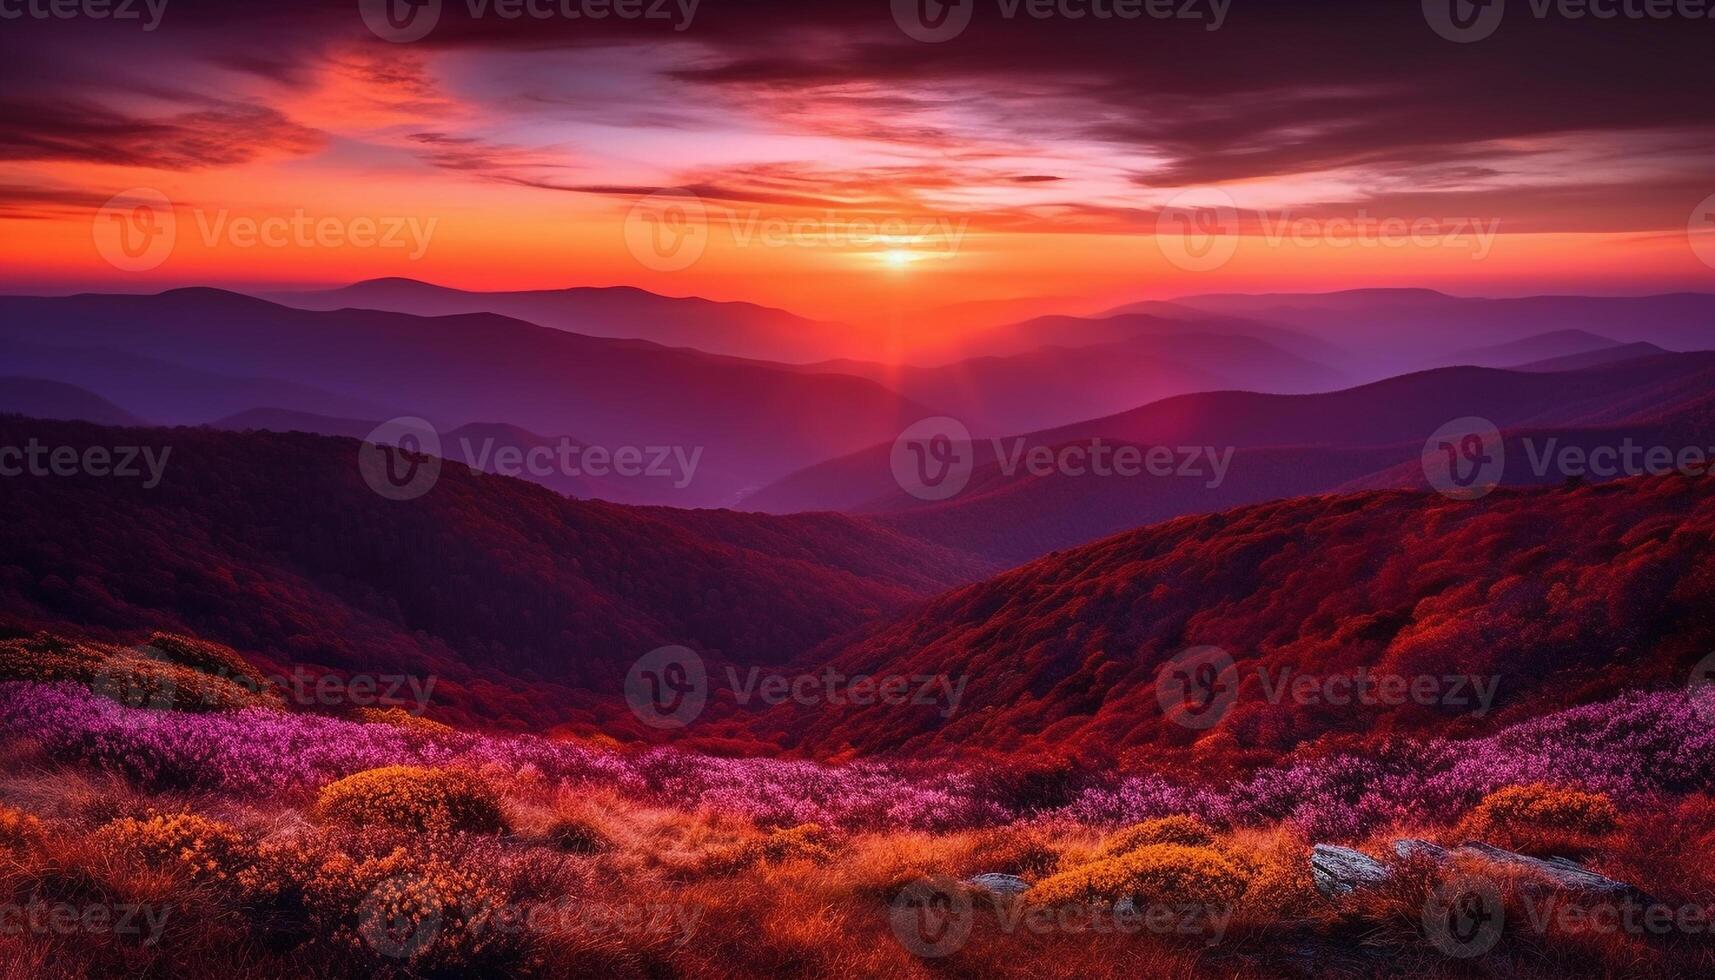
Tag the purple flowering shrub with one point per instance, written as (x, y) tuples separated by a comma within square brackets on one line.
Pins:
[(1632, 749)]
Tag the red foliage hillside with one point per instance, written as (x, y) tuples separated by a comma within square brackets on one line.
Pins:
[(512, 596), (1560, 596)]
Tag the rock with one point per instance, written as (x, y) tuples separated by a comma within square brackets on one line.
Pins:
[(999, 884), (1562, 873), (1411, 847), (1341, 870)]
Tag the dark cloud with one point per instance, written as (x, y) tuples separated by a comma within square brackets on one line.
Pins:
[(71, 130), (1281, 89)]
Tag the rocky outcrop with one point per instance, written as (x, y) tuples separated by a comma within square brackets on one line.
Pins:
[(1341, 870), (1561, 873), (999, 884)]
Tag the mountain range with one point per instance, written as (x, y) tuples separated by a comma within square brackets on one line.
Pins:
[(751, 421), (1277, 446)]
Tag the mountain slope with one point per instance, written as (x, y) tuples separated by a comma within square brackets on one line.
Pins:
[(171, 393), (1559, 596), (55, 400), (1127, 324), (753, 421), (1389, 331), (1280, 446), (737, 329), (1595, 358), (1057, 385), (1012, 518), (527, 607), (1537, 347)]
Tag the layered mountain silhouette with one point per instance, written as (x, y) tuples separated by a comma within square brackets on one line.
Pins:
[(1539, 347), (1390, 331), (752, 421), (737, 329), (1055, 385), (1280, 446), (56, 400)]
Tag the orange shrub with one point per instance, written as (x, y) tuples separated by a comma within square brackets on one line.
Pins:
[(18, 830), (1543, 819), (45, 657), (1185, 831), (1155, 874), (577, 834), (203, 849), (205, 657), (414, 798), (433, 918), (419, 908), (131, 677), (1030, 852), (1277, 860), (805, 841), (400, 718)]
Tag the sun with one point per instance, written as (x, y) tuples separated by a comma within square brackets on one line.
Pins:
[(898, 258)]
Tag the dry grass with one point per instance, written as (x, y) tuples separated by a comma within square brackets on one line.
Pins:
[(582, 884)]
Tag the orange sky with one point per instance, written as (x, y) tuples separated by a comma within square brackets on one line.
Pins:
[(857, 195)]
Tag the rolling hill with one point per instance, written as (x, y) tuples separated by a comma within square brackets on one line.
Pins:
[(56, 400), (1537, 347), (527, 607), (170, 393), (1595, 358), (1550, 597)]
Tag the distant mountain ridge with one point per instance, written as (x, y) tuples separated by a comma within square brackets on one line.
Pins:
[(1391, 331), (753, 421), (1054, 385), (57, 400), (1281, 446), (622, 312)]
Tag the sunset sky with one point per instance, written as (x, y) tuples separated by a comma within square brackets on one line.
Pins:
[(1023, 157)]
